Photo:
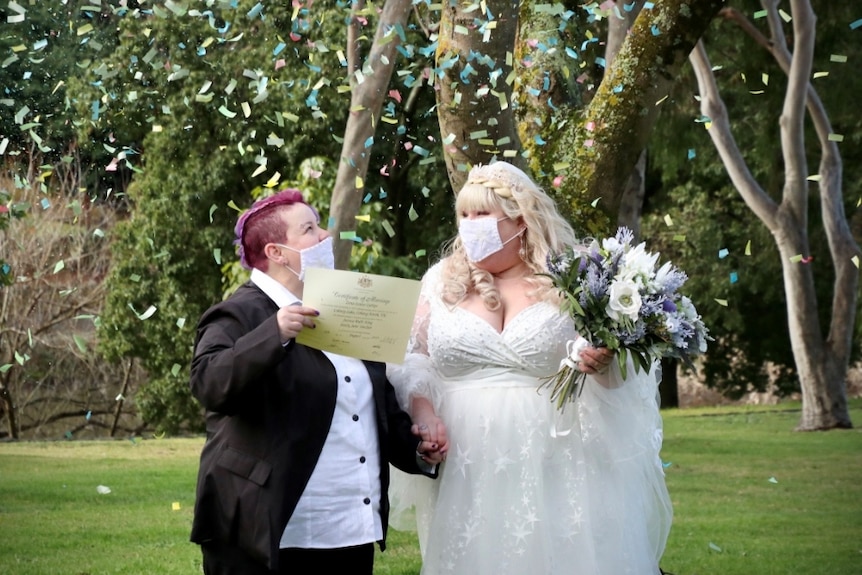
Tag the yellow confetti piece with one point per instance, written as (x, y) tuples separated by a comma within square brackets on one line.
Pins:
[(358, 183), (855, 260), (765, 79), (85, 29), (157, 128), (796, 259), (836, 138), (785, 16), (260, 169), (840, 58), (679, 238), (661, 100), (175, 506), (595, 202), (820, 74), (721, 302), (273, 181), (667, 220), (560, 166), (813, 178), (363, 217), (748, 248), (246, 109)]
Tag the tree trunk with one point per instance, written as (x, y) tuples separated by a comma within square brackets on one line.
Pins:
[(369, 90), (821, 362), (600, 150), (474, 90)]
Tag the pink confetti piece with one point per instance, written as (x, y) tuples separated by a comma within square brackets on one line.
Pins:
[(279, 64), (558, 181), (395, 95), (589, 143)]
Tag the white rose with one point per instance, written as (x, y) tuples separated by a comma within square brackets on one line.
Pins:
[(625, 300)]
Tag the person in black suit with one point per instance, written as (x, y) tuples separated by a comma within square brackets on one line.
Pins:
[(295, 469)]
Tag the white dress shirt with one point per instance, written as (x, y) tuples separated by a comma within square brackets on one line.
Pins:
[(340, 506)]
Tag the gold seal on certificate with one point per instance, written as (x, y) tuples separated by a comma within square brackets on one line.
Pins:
[(362, 315)]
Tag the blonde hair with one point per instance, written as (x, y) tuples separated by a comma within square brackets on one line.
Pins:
[(503, 186)]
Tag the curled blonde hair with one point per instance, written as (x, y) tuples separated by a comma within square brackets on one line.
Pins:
[(503, 186)]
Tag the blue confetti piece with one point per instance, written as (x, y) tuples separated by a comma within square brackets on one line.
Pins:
[(601, 62), (369, 142), (655, 30), (5, 269), (367, 198), (629, 7), (648, 5), (539, 140), (277, 50), (691, 154), (856, 24), (89, 415), (722, 253), (45, 203), (618, 88), (94, 107), (734, 277), (666, 464), (570, 52), (382, 194), (255, 12), (331, 223)]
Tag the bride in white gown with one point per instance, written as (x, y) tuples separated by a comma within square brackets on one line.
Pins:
[(525, 489)]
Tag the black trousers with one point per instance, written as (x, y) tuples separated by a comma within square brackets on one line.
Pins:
[(227, 560)]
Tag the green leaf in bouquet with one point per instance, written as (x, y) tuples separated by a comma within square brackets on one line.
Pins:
[(622, 355)]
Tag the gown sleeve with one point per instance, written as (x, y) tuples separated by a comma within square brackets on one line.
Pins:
[(416, 376)]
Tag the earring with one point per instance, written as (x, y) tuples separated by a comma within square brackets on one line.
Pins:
[(523, 251)]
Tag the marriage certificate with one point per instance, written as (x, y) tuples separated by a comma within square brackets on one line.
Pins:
[(362, 315)]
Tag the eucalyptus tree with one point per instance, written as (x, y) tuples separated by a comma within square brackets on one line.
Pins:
[(822, 355)]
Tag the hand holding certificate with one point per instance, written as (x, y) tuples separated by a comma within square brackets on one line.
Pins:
[(362, 315)]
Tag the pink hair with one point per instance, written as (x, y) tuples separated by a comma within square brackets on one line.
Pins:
[(261, 224)]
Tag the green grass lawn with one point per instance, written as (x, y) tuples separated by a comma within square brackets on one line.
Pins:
[(751, 497)]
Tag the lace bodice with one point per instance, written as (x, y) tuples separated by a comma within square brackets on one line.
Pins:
[(532, 343)]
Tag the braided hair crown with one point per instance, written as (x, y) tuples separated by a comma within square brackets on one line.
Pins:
[(504, 175)]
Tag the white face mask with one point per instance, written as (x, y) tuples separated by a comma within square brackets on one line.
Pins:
[(317, 256), (481, 237)]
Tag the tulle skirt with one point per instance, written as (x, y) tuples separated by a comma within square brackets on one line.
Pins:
[(527, 490)]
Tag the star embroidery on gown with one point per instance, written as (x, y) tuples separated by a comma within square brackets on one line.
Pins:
[(463, 460), (522, 532), (502, 462)]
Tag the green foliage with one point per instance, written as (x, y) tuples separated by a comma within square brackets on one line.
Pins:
[(225, 105), (688, 183)]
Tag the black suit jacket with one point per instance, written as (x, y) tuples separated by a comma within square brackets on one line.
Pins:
[(268, 411)]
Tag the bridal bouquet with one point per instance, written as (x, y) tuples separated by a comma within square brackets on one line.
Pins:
[(618, 299)]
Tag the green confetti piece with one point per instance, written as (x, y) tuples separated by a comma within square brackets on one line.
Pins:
[(412, 214), (79, 341), (181, 322), (175, 369), (217, 255), (387, 227), (59, 266), (213, 208)]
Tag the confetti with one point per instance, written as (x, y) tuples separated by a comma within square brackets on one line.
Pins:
[(772, 480), (667, 220), (714, 547), (175, 506), (723, 253), (748, 248), (721, 302)]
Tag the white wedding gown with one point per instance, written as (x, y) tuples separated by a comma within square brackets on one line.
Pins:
[(525, 489)]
